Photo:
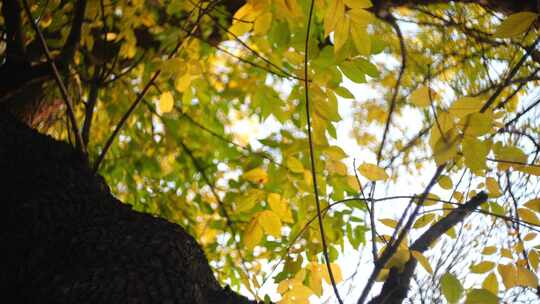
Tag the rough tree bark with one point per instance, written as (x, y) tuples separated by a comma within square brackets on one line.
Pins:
[(66, 239)]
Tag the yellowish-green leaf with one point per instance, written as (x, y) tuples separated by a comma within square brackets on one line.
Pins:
[(257, 175), (372, 172), (361, 40), (515, 24), (270, 222), (334, 12), (451, 288), (466, 105), (491, 283), (528, 216), (262, 24), (489, 250), (482, 267), (280, 206), (533, 204), (420, 97), (341, 34), (399, 259), (445, 182), (253, 233), (481, 296), (294, 164), (534, 259), (475, 152), (166, 102), (248, 201), (358, 3), (389, 222), (360, 17), (526, 278), (422, 260), (424, 220)]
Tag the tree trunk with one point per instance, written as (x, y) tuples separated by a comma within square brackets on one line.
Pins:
[(66, 239)]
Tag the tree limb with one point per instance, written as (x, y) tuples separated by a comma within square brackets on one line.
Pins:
[(396, 286), (74, 36)]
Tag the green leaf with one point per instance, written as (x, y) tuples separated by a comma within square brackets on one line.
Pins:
[(451, 288), (481, 296)]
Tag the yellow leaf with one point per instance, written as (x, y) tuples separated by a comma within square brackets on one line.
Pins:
[(315, 279), (399, 259), (531, 169), (529, 236), (238, 29), (445, 182), (182, 83), (166, 102), (533, 204), (294, 165), (490, 283), (515, 24), (253, 233), (361, 40), (525, 277), (360, 17), (482, 267), (341, 34), (489, 250), (372, 172), (534, 259), (257, 175), (420, 97), (422, 260), (465, 105), (336, 271), (358, 3), (280, 206), (111, 36), (270, 222), (389, 222), (262, 24), (424, 220), (334, 13), (528, 216), (493, 187), (476, 124)]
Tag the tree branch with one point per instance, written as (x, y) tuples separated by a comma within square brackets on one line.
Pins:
[(396, 286), (74, 37)]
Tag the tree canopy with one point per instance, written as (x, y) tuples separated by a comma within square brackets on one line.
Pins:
[(288, 135)]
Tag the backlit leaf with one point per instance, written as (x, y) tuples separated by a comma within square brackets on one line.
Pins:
[(372, 172), (515, 24), (166, 102), (451, 288), (422, 260), (257, 175), (270, 222)]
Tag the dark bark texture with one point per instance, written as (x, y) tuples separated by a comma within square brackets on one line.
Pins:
[(66, 239)]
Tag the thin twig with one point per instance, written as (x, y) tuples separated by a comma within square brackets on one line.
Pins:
[(312, 156), (141, 95), (63, 90)]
